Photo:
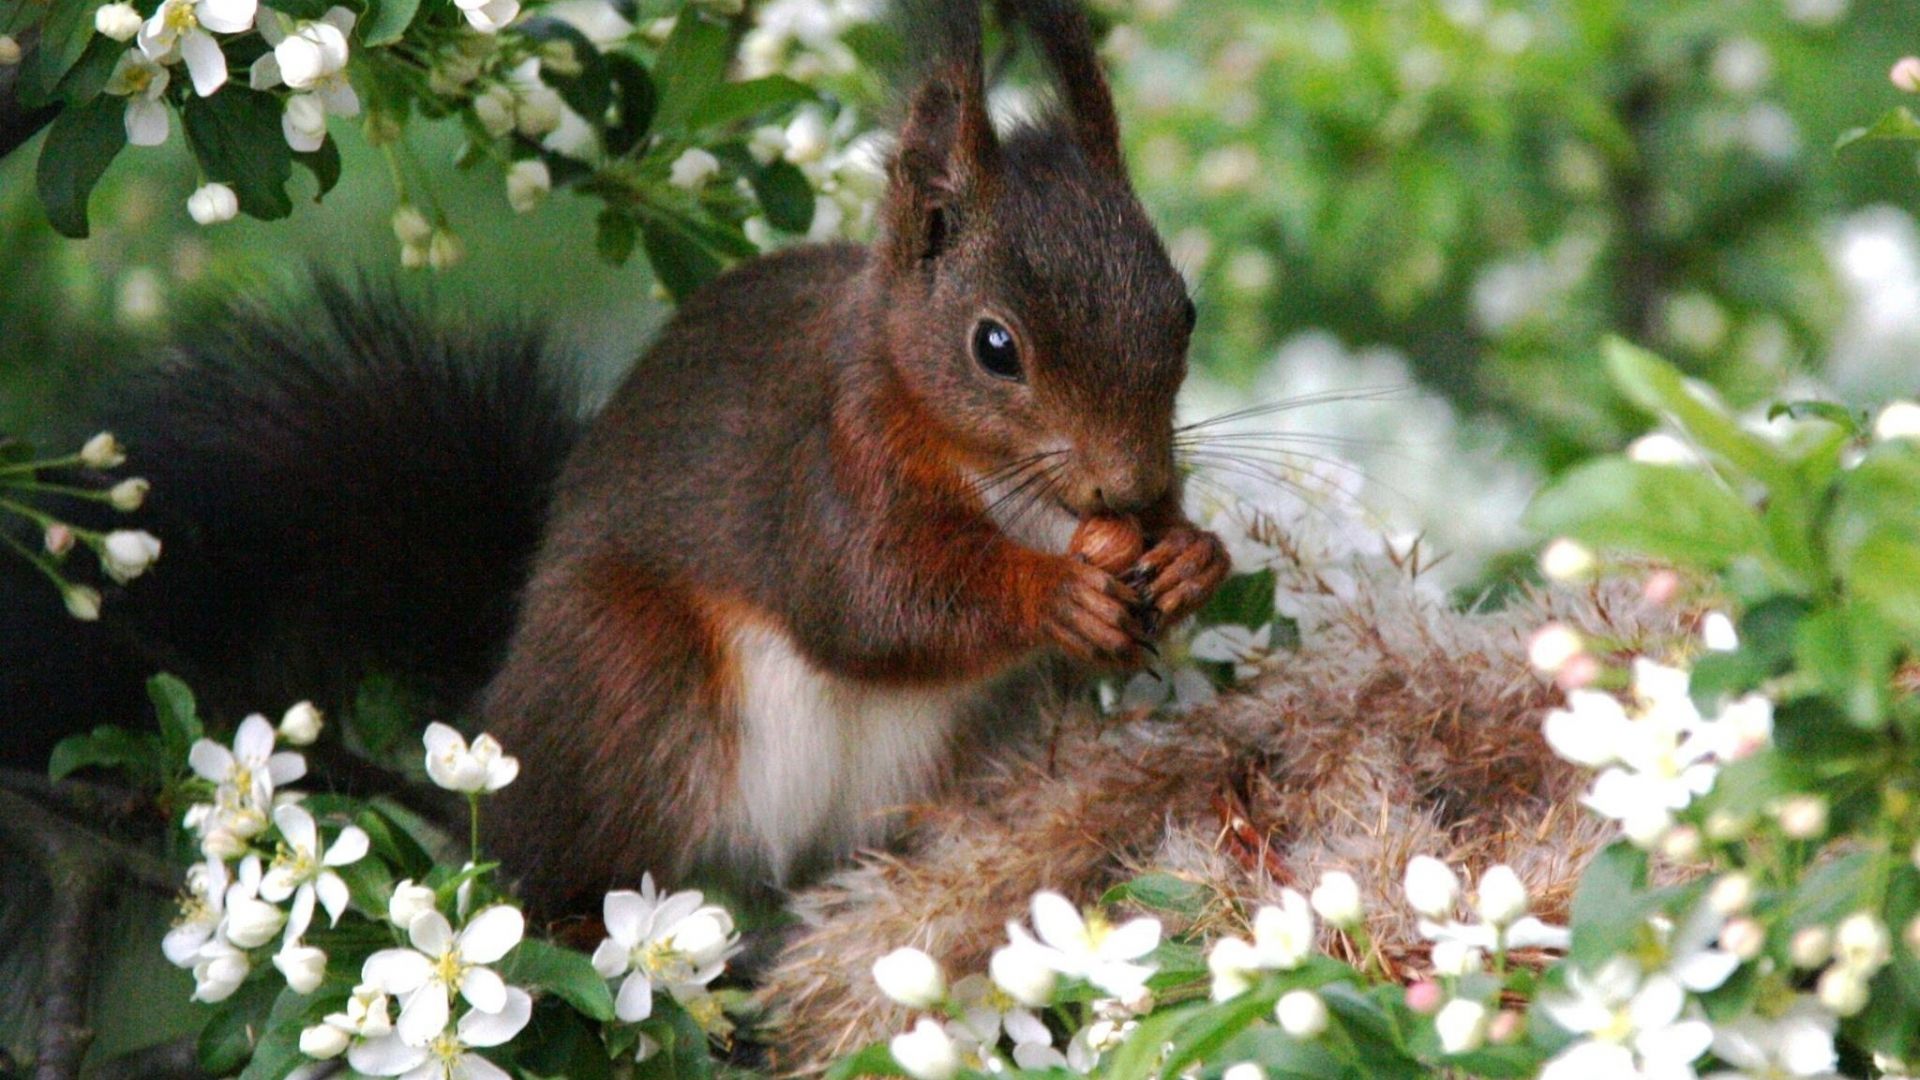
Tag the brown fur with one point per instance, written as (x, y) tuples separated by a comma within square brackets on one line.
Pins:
[(803, 449), (1401, 728)]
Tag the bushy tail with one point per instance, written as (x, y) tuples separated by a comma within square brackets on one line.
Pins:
[(344, 484)]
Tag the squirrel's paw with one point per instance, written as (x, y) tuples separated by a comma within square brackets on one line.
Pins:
[(1092, 618), (1180, 572)]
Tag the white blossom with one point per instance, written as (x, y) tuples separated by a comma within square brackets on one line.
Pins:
[(305, 52), (141, 81), (677, 943), (1796, 1042), (426, 976), (692, 169), (125, 554), (1861, 943), (910, 977), (304, 966), (489, 16), (1717, 632), (1900, 419), (1552, 646), (181, 28), (211, 204), (244, 777), (1501, 897), (202, 908), (1462, 1025), (250, 921), (365, 1016), (103, 451), (83, 602), (1301, 1014), (528, 183), (1093, 949), (926, 1052), (1633, 1025), (456, 767), (301, 870), (128, 494), (218, 970), (1566, 560), (408, 902), (1431, 886), (1337, 899), (447, 1055), (300, 725), (1023, 969), (1842, 990)]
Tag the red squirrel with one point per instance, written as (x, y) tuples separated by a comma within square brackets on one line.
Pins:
[(817, 549), (818, 537)]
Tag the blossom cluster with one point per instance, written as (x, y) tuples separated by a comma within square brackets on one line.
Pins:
[(124, 554)]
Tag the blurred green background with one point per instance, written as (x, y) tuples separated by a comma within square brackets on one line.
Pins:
[(1460, 194)]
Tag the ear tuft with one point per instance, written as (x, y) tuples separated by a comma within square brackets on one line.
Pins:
[(946, 163), (1065, 37)]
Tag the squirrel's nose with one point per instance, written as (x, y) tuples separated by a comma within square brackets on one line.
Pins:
[(1123, 489)]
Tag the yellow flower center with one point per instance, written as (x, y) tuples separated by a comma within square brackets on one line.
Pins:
[(136, 79), (659, 957), (180, 19), (446, 1046), (449, 968), (1618, 1029)]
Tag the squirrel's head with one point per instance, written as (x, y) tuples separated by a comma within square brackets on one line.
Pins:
[(1030, 306)]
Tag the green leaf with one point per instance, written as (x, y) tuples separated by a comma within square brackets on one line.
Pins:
[(614, 235), (589, 91), (324, 164), (1210, 1028), (562, 972), (785, 195), (1831, 890), (1883, 573), (1161, 892), (679, 261), (634, 91), (734, 101), (299, 9), (1139, 1056), (1898, 124), (64, 37), (692, 65), (1848, 420), (278, 1051), (235, 136), (386, 21), (390, 840), (873, 1060), (1851, 650), (683, 1053), (80, 145), (1664, 511), (107, 747), (1286, 1058), (1242, 600), (180, 724), (558, 1043), (1658, 387), (228, 1039), (1610, 906), (88, 76)]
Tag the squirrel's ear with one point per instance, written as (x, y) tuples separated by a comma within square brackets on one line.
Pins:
[(944, 168), (1061, 29)]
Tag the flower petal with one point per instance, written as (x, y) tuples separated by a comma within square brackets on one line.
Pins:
[(226, 16), (494, 1028), (386, 1056), (626, 915), (396, 971), (611, 959), (300, 916), (297, 828), (483, 989), (1131, 940), (475, 1067), (333, 896), (286, 767), (424, 1015), (210, 760), (1059, 924), (490, 934), (635, 1002), (253, 742), (348, 847), (431, 933)]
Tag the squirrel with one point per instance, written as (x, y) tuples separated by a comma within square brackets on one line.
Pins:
[(826, 536)]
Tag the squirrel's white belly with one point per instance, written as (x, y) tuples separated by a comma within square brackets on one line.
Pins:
[(826, 761)]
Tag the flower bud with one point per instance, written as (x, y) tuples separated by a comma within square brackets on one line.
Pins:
[(1424, 997), (1724, 826), (1911, 935), (926, 1052), (1301, 1014), (410, 226), (1456, 958), (1732, 894), (1551, 646), (1507, 1028), (103, 451), (1661, 587), (910, 977), (1717, 632), (117, 21), (807, 137), (304, 966), (82, 602), (445, 250), (129, 494), (1810, 947), (1501, 897), (58, 539), (1906, 75), (537, 115), (300, 726), (1842, 990), (212, 204), (1337, 899), (494, 108), (1566, 560), (1802, 817), (528, 183), (125, 554), (1744, 937), (1660, 448), (692, 169), (1462, 1026), (413, 256), (767, 143), (252, 922), (1682, 844), (1861, 943), (218, 972), (408, 902), (10, 51), (1431, 887), (223, 843), (323, 1041), (1246, 1070)]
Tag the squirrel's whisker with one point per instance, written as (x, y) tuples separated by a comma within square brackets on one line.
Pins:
[(1325, 397)]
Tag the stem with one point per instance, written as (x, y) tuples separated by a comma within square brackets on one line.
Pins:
[(61, 489), (39, 563), (50, 463), (37, 516), (473, 826)]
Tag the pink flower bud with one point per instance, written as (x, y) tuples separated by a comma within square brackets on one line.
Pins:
[(1661, 587), (59, 539), (1906, 74), (1425, 996)]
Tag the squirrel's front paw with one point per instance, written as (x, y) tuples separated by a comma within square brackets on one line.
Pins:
[(1092, 618), (1180, 572)]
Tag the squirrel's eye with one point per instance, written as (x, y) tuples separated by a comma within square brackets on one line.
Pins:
[(994, 349), (1191, 314)]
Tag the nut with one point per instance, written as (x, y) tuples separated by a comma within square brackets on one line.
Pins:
[(1111, 542)]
